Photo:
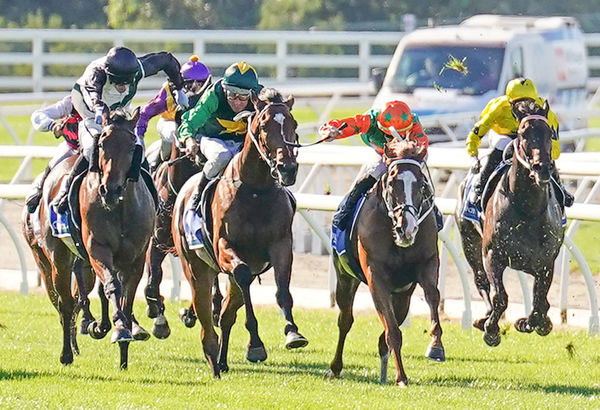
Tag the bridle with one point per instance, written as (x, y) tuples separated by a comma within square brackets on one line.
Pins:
[(265, 153), (392, 209), (522, 156)]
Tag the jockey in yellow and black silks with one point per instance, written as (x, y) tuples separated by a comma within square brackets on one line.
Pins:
[(497, 116)]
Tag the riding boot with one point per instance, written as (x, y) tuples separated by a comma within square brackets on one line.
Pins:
[(341, 217), (439, 218), (493, 160), (568, 199), (61, 200), (133, 174), (33, 200), (196, 198)]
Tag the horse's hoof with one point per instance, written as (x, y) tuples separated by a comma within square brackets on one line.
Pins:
[(96, 331), (491, 339), (161, 331), (435, 353), (402, 384), (139, 333), (66, 359), (331, 375), (544, 330), (479, 324), (186, 319), (295, 340), (224, 367), (522, 325), (121, 335), (256, 354)]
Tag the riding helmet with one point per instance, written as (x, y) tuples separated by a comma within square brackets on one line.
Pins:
[(520, 88), (121, 65), (395, 114), (240, 78), (194, 70)]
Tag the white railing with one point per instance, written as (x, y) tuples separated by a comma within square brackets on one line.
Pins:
[(274, 50), (582, 166)]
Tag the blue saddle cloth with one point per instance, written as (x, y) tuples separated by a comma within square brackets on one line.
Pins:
[(192, 224), (340, 242), (59, 222)]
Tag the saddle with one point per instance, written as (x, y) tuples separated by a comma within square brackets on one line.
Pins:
[(341, 244)]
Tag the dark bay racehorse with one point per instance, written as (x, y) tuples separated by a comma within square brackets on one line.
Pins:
[(522, 228), (251, 229), (395, 243), (168, 178), (117, 219)]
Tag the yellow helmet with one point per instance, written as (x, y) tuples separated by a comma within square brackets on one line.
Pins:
[(520, 88)]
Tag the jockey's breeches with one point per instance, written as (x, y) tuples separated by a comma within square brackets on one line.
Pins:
[(218, 153)]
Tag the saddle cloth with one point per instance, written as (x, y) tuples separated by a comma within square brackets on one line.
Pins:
[(341, 244)]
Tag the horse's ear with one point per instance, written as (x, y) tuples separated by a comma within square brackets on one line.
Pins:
[(546, 108), (136, 116), (257, 102), (422, 152), (516, 112), (289, 102)]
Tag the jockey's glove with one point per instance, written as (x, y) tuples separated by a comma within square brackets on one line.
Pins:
[(98, 114), (181, 100), (329, 132), (555, 150), (473, 143)]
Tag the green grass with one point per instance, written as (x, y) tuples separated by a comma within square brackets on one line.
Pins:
[(561, 370)]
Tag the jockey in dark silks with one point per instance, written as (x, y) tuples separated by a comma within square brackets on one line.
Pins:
[(62, 120), (107, 84), (196, 79), (210, 127), (376, 128), (498, 116)]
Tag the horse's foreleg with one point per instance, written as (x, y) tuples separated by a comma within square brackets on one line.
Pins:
[(102, 262), (233, 301), (344, 296), (393, 336), (154, 300), (130, 284), (538, 319), (217, 300), (231, 262), (281, 258), (496, 269), (62, 283), (428, 279), (84, 288)]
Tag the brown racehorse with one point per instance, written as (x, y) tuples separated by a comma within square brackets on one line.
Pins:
[(168, 178), (522, 228), (251, 229), (117, 219), (395, 244)]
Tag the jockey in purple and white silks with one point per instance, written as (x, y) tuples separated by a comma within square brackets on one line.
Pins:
[(108, 83), (196, 79)]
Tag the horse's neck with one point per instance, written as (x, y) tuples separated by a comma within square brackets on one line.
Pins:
[(531, 197), (253, 170)]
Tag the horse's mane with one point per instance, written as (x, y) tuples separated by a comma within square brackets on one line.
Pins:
[(119, 116), (270, 95), (404, 149)]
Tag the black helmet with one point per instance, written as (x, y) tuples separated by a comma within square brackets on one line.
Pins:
[(121, 65)]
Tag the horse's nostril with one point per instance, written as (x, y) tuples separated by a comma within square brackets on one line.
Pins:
[(103, 190)]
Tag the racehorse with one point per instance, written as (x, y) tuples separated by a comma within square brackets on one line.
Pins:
[(522, 226), (394, 245), (250, 225), (168, 178), (116, 224)]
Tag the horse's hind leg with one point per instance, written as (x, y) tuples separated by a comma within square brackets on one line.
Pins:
[(98, 330), (66, 303), (217, 300), (428, 279), (155, 302), (538, 319), (344, 296), (281, 258), (84, 287), (232, 303)]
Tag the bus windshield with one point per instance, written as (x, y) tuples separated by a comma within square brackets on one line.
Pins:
[(423, 66)]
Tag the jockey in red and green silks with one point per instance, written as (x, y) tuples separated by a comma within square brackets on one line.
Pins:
[(376, 127), (498, 116)]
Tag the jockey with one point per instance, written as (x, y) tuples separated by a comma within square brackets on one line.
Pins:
[(210, 126), (196, 79), (376, 128), (62, 120), (498, 116), (108, 83)]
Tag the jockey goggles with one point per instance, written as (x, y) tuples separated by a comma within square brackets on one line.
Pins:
[(232, 95)]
